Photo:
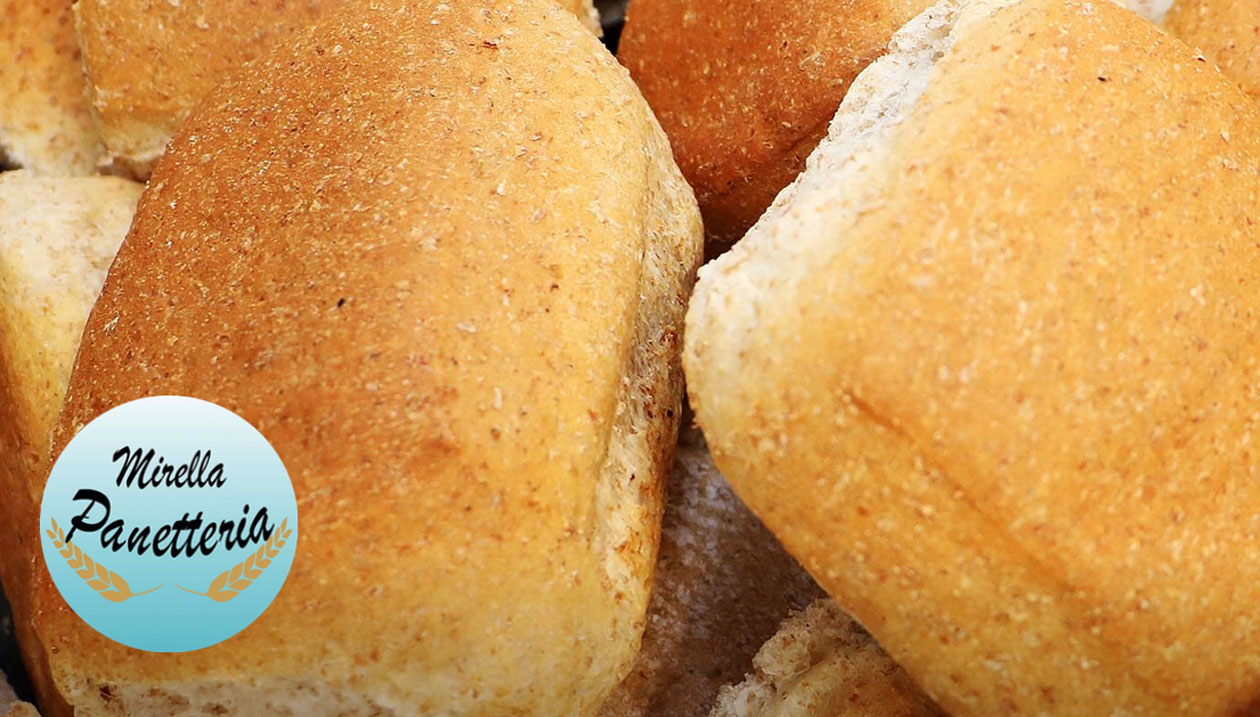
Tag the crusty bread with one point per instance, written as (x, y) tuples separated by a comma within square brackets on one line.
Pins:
[(57, 238), (822, 663), (745, 88), (722, 586), (1228, 32), (45, 125), (150, 62), (988, 367), (405, 233)]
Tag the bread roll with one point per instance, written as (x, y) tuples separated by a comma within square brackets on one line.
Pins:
[(745, 88), (45, 125), (57, 239), (446, 282), (822, 663), (150, 62), (1227, 32), (722, 586), (988, 367)]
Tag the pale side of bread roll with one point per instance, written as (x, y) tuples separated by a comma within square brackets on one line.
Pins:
[(407, 233), (45, 125), (988, 368), (721, 587), (57, 239), (150, 62), (1227, 31), (821, 663)]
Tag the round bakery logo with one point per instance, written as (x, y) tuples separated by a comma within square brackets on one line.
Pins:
[(169, 524)]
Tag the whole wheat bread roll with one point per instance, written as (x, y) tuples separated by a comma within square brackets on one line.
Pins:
[(57, 239), (988, 368), (447, 283), (745, 88), (45, 125), (149, 62)]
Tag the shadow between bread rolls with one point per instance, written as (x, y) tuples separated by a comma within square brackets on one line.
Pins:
[(989, 370), (447, 283)]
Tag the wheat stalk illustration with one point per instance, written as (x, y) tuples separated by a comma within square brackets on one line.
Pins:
[(229, 584), (107, 583)]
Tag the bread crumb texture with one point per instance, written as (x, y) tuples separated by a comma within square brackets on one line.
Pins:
[(821, 662), (988, 368)]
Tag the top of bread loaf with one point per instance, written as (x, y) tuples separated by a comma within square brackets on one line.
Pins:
[(150, 63), (988, 368), (745, 88), (446, 282), (45, 125)]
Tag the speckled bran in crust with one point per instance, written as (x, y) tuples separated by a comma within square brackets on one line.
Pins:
[(438, 254), (45, 125), (745, 88), (1228, 33), (150, 62), (1000, 397)]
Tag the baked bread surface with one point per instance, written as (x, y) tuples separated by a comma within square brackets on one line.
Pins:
[(745, 89), (1227, 32), (150, 62), (989, 368), (446, 282)]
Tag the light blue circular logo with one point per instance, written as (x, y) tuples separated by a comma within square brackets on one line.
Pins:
[(169, 524)]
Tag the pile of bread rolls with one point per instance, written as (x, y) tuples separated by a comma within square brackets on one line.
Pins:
[(973, 361)]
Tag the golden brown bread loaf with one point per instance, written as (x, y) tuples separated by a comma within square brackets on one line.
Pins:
[(57, 238), (45, 125), (823, 664), (988, 368), (149, 62), (721, 587), (1228, 32), (745, 88), (492, 259)]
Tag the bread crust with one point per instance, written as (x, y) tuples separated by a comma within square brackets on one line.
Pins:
[(150, 62), (990, 379), (447, 284), (45, 125), (745, 88), (1227, 32)]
